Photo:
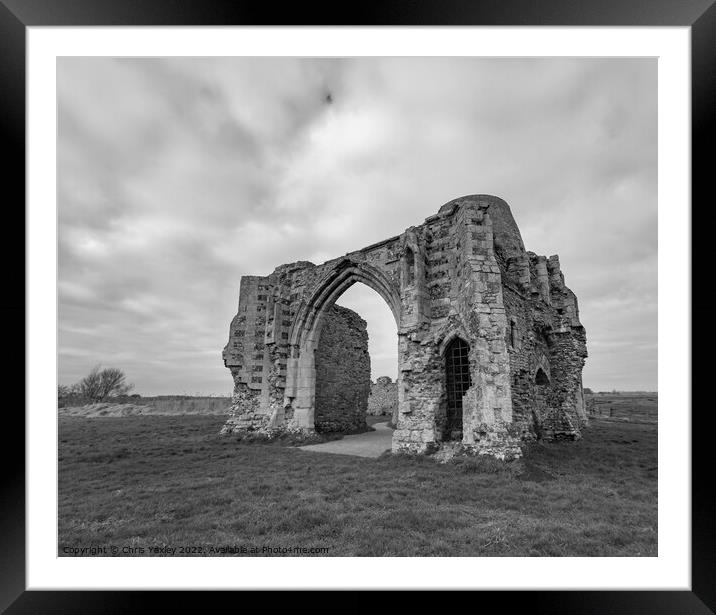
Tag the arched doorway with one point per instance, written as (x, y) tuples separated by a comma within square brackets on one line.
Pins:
[(346, 363), (306, 331), (457, 382)]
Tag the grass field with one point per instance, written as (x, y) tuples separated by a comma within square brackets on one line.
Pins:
[(630, 407), (167, 482)]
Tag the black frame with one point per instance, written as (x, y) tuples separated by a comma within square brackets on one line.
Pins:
[(16, 15)]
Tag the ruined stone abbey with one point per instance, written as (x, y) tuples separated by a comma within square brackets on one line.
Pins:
[(490, 346)]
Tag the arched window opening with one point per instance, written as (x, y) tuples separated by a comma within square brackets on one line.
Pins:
[(409, 267), (513, 333), (457, 382), (541, 377)]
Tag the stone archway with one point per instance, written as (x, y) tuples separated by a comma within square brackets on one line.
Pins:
[(300, 393), (464, 271)]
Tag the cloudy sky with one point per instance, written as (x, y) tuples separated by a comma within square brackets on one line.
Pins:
[(178, 176)]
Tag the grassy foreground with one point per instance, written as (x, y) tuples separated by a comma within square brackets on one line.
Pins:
[(168, 485)]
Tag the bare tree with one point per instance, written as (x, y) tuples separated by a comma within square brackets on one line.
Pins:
[(102, 383), (90, 384), (68, 395), (72, 390), (113, 382)]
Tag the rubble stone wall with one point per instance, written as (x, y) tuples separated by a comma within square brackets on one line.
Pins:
[(528, 351), (383, 400), (342, 372)]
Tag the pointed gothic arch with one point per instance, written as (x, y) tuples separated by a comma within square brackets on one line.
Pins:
[(306, 329)]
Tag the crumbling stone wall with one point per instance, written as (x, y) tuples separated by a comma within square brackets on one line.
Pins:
[(546, 339), (383, 398), (464, 273), (529, 351), (342, 372)]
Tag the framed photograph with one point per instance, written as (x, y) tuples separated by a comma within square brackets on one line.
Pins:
[(387, 304)]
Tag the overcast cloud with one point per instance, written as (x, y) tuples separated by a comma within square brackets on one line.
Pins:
[(178, 176)]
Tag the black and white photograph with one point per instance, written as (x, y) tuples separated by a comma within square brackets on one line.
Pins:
[(357, 306), (385, 298)]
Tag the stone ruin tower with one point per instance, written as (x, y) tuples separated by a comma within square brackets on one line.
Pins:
[(490, 346)]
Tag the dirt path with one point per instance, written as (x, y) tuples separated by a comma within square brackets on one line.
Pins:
[(368, 444)]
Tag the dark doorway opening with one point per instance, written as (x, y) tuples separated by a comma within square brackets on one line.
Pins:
[(539, 407), (457, 371)]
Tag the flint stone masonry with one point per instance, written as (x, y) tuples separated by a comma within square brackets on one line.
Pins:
[(383, 398), (462, 274), (342, 373)]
